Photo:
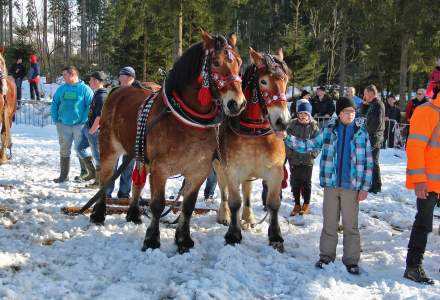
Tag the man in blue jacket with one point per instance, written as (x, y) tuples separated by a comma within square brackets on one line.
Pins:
[(69, 110), (346, 168)]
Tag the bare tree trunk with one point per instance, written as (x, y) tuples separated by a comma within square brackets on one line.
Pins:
[(342, 62), (403, 69), (179, 33), (410, 84), (10, 23), (2, 26), (83, 31), (295, 35), (45, 45), (144, 71)]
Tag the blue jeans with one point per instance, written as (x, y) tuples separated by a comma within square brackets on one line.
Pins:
[(18, 82), (93, 142), (68, 134), (124, 180), (81, 149), (211, 183)]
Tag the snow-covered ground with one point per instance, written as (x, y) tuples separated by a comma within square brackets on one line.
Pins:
[(47, 255)]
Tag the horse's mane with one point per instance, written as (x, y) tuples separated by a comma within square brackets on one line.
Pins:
[(186, 69), (3, 65)]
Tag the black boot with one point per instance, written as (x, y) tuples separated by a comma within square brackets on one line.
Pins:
[(83, 172), (417, 274), (64, 170), (90, 169)]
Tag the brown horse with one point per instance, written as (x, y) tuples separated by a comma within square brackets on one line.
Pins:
[(8, 95), (174, 146), (250, 148)]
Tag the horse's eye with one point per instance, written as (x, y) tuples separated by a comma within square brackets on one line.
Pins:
[(216, 63), (263, 82)]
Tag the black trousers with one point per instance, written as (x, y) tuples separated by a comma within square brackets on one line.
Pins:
[(421, 228), (301, 182), (376, 185), (34, 91)]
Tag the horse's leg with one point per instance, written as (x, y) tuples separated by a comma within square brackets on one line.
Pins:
[(157, 204), (233, 236), (109, 158), (134, 211), (247, 216), (223, 213), (193, 182), (273, 181)]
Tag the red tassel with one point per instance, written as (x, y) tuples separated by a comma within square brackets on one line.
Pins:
[(139, 178), (253, 111), (205, 96), (286, 176)]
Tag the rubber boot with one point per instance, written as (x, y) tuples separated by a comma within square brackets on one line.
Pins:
[(83, 171), (64, 170), (90, 169), (95, 184)]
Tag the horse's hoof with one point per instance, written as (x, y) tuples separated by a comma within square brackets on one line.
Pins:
[(98, 214), (134, 215), (224, 222), (279, 246), (184, 244), (150, 244), (247, 225), (233, 238)]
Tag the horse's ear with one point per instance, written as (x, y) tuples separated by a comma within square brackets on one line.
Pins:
[(279, 53), (256, 57), (208, 40), (232, 39)]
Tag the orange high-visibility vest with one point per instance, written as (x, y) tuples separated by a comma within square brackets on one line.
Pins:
[(423, 147)]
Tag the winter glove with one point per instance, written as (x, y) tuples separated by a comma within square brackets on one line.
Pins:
[(285, 177)]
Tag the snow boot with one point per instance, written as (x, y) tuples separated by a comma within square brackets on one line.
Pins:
[(296, 210), (95, 184), (305, 210), (417, 274), (64, 170), (353, 269), (83, 171), (91, 172)]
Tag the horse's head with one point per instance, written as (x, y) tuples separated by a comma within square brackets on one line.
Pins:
[(268, 77), (223, 64)]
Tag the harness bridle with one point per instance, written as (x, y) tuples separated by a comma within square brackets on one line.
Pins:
[(254, 96)]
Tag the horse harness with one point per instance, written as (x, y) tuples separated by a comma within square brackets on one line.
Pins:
[(255, 126)]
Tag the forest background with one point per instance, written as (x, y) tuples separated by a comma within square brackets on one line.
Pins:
[(391, 43)]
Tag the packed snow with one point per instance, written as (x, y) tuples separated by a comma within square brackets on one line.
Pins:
[(45, 254)]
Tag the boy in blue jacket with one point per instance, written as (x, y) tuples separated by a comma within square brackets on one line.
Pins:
[(69, 110), (345, 174)]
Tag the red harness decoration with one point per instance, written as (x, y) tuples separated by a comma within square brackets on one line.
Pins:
[(192, 112), (139, 177)]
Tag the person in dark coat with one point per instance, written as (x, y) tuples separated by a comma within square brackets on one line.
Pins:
[(374, 111), (304, 95), (322, 105), (413, 103), (34, 77), (18, 71), (301, 164), (392, 116)]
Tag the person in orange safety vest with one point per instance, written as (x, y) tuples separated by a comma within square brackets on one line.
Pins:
[(423, 175)]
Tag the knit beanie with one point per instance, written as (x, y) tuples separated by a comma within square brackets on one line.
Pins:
[(343, 103), (129, 71), (304, 107)]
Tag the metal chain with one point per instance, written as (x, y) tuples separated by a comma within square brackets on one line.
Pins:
[(217, 137)]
